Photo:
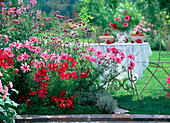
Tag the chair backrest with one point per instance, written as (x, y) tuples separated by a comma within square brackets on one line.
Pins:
[(164, 33)]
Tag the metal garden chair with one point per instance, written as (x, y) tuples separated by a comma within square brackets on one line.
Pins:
[(164, 34)]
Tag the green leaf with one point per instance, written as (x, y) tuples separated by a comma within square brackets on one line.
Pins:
[(1, 109), (1, 102), (15, 91)]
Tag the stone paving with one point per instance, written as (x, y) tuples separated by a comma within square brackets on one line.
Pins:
[(102, 118)]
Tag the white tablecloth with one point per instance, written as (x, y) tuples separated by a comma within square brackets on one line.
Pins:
[(140, 51)]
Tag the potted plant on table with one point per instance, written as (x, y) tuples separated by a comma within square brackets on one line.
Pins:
[(122, 25)]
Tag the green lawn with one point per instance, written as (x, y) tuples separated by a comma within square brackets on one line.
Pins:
[(149, 104)]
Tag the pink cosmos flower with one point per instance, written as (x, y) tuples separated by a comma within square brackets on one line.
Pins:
[(2, 4), (45, 55), (17, 45), (25, 67), (48, 50), (52, 56), (145, 30), (127, 18), (20, 58), (6, 92), (130, 68), (110, 24), (131, 56), (118, 60), (155, 32), (152, 25), (168, 79), (1, 74), (135, 29), (149, 29), (8, 51), (9, 4), (100, 57), (125, 24), (25, 56), (91, 49), (42, 24), (33, 39), (63, 56), (117, 19), (114, 50), (10, 84), (1, 86), (145, 22), (37, 49), (26, 44), (141, 24), (98, 52), (131, 65), (87, 57), (107, 56), (141, 21), (6, 38)]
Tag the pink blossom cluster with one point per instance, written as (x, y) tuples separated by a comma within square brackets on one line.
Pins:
[(145, 27), (5, 89), (168, 81)]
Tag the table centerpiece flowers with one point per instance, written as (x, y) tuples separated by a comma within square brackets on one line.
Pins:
[(122, 25)]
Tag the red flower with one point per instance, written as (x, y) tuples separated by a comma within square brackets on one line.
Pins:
[(28, 103), (43, 84), (69, 58), (72, 98), (16, 70), (83, 75), (32, 93), (55, 65), (73, 64), (114, 25), (138, 41), (43, 71), (65, 65), (54, 99), (88, 70), (42, 92), (132, 42), (108, 42), (50, 66), (74, 75), (106, 34), (63, 93), (60, 71), (64, 75)]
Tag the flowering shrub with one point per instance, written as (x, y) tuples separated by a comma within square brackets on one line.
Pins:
[(121, 23), (64, 102), (50, 58), (145, 27), (7, 111)]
